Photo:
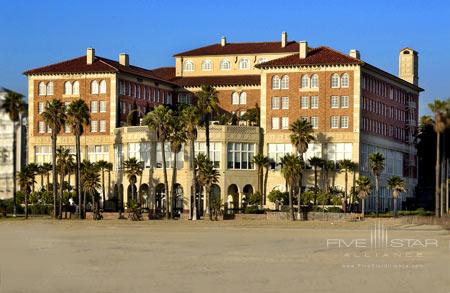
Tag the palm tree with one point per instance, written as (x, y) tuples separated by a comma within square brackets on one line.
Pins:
[(291, 169), (26, 181), (376, 165), (207, 177), (267, 167), (109, 167), (207, 104), (78, 118), (89, 172), (14, 106), (133, 169), (364, 187), (261, 162), (55, 117), (63, 164), (316, 162), (438, 107), (252, 116), (397, 185), (159, 120), (34, 168), (346, 166), (301, 135), (103, 166), (191, 120), (46, 169)]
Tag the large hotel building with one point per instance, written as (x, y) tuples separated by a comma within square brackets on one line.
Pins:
[(354, 107)]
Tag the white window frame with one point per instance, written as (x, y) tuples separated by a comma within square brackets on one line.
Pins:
[(334, 122), (315, 81), (102, 106), (41, 127), (94, 126), (76, 88), (304, 81), (344, 122), (343, 101), (243, 98), (94, 87), (50, 88), (188, 65), (284, 103), (276, 82), (225, 64), (102, 126), (235, 98), (315, 122), (304, 102), (68, 88), (207, 65), (102, 86), (345, 80), (244, 64), (275, 103), (284, 122), (276, 123), (42, 88), (334, 102), (285, 82), (314, 102), (94, 106)]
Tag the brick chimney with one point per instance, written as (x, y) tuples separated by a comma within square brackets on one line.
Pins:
[(90, 55), (303, 49), (124, 59), (283, 39), (223, 41), (354, 53)]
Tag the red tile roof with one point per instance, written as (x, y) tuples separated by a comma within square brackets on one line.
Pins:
[(317, 56), (166, 73), (242, 48), (223, 80)]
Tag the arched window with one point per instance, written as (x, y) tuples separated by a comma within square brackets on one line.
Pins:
[(225, 64), (244, 64), (243, 98), (335, 80), (276, 82), (188, 65), (103, 87), (206, 65), (42, 89), (305, 81), (235, 98), (76, 88), (134, 91), (67, 88), (94, 87), (285, 82), (344, 80), (315, 81), (50, 88)]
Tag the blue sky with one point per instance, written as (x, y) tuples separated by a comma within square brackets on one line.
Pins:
[(36, 33)]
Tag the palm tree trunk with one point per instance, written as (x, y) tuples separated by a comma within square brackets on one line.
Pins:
[(362, 206), (395, 207), (84, 204), (263, 201), (26, 205), (377, 199), (166, 183), (291, 204), (109, 185), (54, 137), (61, 189), (174, 181), (14, 168), (193, 181), (208, 204), (78, 176), (437, 177), (207, 134), (344, 206), (103, 188), (443, 182), (42, 181), (48, 181)]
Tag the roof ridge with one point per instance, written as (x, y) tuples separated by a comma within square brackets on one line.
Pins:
[(106, 63), (56, 63), (339, 52)]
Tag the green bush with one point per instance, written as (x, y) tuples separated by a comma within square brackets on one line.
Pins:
[(334, 210), (255, 198), (253, 210)]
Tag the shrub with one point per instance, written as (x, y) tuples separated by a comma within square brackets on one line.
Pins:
[(334, 210), (255, 198), (253, 210)]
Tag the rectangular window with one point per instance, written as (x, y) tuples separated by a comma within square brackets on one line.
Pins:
[(235, 98), (41, 107), (67, 128), (334, 121), (304, 102), (94, 107), (94, 126), (315, 122), (275, 123), (169, 156), (41, 127), (49, 129), (334, 102), (314, 102), (102, 125), (240, 155), (344, 121), (284, 103), (215, 151), (275, 103), (339, 151), (98, 153), (102, 106), (344, 101), (314, 150), (42, 154), (141, 151), (276, 151), (284, 122)]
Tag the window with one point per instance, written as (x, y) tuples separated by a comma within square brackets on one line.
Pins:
[(344, 80), (225, 64), (102, 106), (314, 102), (94, 126), (94, 87), (244, 64), (141, 151), (94, 107), (42, 89), (134, 91), (334, 122), (276, 151), (189, 66), (76, 88), (314, 81), (315, 122), (102, 125), (67, 88), (275, 103), (42, 154), (304, 103), (207, 65), (285, 82), (41, 127), (98, 153), (215, 150), (138, 91), (305, 81), (335, 80), (339, 151), (243, 98), (49, 129), (50, 88), (240, 155), (284, 122), (344, 101), (235, 98), (276, 82), (314, 150), (284, 103), (67, 128), (334, 102), (275, 123), (169, 156), (344, 121), (103, 87), (41, 107), (184, 98)]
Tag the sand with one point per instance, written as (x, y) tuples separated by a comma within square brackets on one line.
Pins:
[(182, 256)]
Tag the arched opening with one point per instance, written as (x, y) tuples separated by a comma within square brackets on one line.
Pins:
[(178, 200), (233, 197), (132, 189), (160, 199), (247, 193), (144, 194)]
